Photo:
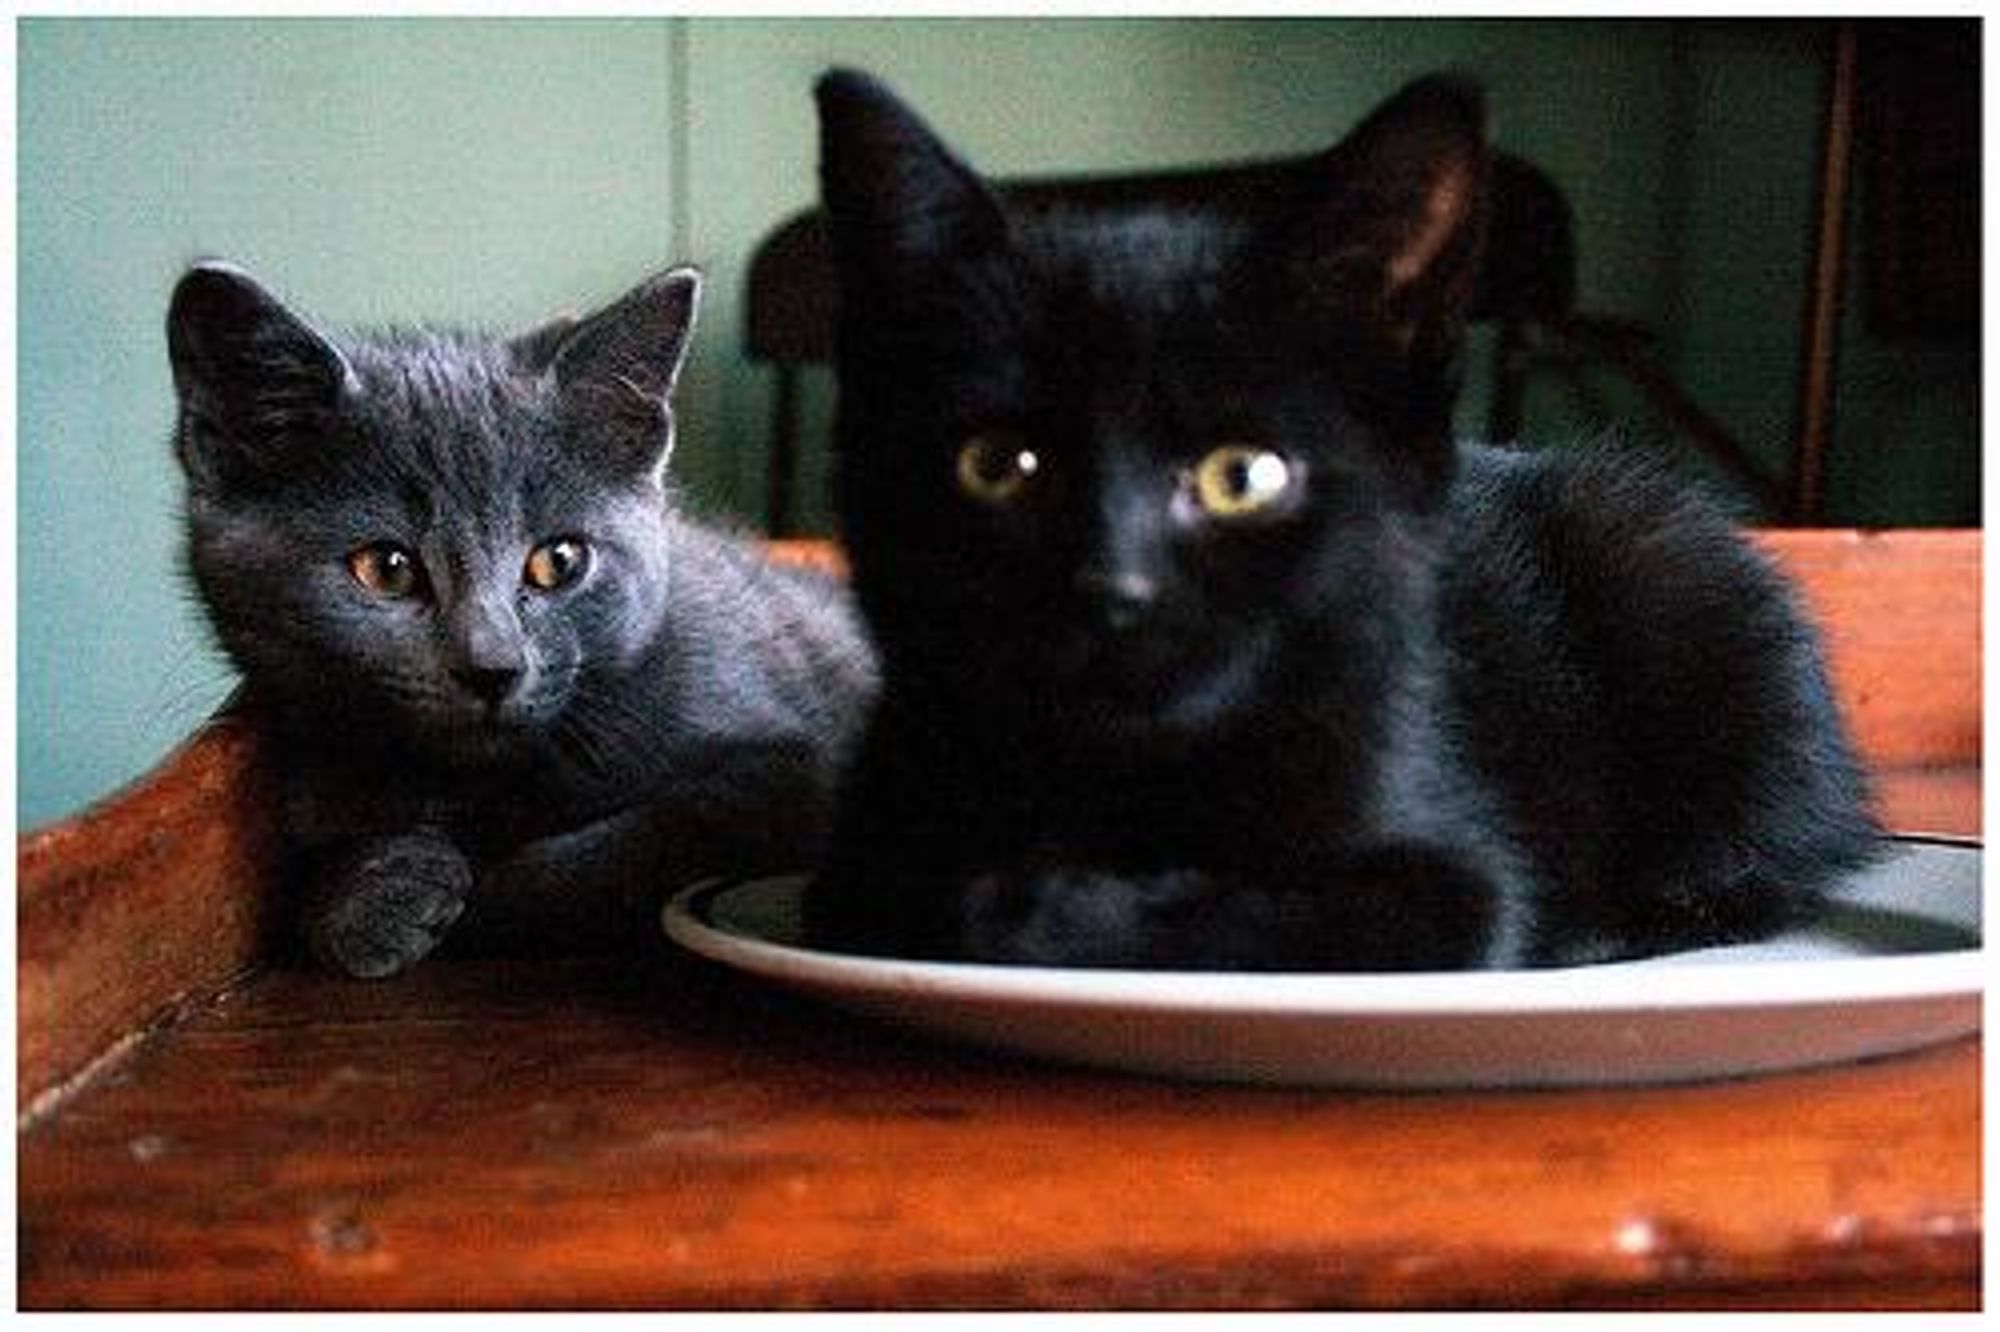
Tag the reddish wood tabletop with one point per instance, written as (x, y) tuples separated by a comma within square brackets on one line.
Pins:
[(654, 1131)]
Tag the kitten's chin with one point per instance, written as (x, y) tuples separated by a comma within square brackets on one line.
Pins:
[(473, 746), (478, 738), (1109, 704)]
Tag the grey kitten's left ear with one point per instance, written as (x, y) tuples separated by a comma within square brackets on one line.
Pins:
[(616, 370)]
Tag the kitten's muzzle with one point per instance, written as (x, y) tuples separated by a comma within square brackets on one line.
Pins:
[(1119, 644), (1116, 600), (491, 685)]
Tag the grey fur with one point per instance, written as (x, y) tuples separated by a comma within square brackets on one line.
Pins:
[(536, 758)]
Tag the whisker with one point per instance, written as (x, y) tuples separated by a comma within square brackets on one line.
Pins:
[(603, 726), (193, 685)]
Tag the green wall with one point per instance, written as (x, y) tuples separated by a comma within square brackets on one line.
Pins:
[(494, 171), (373, 171), (1906, 445)]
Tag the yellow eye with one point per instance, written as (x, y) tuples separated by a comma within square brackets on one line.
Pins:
[(557, 563), (992, 468), (387, 570), (1237, 480)]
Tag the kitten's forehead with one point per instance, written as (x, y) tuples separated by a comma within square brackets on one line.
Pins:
[(452, 410), (1135, 302), (1142, 266), (439, 373)]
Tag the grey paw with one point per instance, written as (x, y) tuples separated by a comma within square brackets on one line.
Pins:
[(386, 903)]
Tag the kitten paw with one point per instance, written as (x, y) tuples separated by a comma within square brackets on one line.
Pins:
[(386, 903), (1082, 917)]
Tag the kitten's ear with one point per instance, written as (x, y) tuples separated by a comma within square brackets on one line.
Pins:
[(1394, 218), (616, 370), (535, 350), (894, 193), (252, 377)]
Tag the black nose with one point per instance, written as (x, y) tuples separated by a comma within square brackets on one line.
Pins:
[(1118, 600), (489, 684)]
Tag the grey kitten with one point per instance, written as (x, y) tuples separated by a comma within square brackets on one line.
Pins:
[(490, 650)]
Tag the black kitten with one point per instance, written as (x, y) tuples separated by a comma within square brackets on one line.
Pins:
[(1203, 644), (488, 647)]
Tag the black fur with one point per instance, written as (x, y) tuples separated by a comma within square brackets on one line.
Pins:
[(1438, 706), (681, 706)]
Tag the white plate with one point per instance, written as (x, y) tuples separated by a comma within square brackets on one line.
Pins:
[(1893, 965)]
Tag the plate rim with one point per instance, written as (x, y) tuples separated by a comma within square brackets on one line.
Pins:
[(1603, 989)]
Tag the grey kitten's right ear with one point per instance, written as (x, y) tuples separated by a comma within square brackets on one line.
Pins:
[(252, 377), (535, 350), (616, 370), (894, 193)]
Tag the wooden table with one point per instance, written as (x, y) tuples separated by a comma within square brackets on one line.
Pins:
[(203, 1130)]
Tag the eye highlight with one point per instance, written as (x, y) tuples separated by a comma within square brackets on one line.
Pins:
[(387, 569), (1238, 480), (994, 467), (556, 564)]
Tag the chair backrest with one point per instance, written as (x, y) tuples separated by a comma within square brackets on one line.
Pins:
[(1529, 272)]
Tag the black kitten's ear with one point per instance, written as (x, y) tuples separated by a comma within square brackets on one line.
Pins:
[(894, 193), (616, 369), (1395, 219), (253, 378)]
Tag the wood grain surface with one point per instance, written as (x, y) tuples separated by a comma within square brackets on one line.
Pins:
[(1900, 612), (612, 1133), (145, 902)]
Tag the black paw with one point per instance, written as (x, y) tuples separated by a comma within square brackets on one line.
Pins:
[(386, 903), (1082, 918)]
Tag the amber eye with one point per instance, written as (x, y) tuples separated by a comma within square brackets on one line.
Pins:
[(994, 467), (1237, 480), (557, 563), (387, 570)]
